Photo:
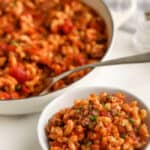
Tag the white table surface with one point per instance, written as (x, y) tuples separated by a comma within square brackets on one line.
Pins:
[(19, 132)]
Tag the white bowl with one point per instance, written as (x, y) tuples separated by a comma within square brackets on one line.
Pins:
[(36, 104), (67, 99)]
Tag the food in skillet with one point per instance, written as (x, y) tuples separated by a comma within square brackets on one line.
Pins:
[(43, 38), (100, 122)]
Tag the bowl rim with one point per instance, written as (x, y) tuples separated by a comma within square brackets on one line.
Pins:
[(40, 128), (57, 91)]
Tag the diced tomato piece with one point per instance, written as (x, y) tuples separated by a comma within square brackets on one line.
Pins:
[(11, 48), (3, 46), (56, 144), (67, 26), (79, 59), (4, 95), (34, 51), (98, 25), (58, 69), (25, 90), (105, 113), (19, 74), (9, 96), (2, 49), (9, 29), (46, 61), (14, 95)]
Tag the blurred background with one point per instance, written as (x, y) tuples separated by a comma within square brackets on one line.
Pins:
[(132, 36), (133, 16)]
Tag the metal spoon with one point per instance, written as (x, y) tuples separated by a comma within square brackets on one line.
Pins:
[(142, 58)]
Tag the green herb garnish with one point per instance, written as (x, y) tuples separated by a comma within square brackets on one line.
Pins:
[(109, 97), (123, 136), (90, 105), (137, 129), (79, 109), (14, 43), (91, 125), (89, 143), (102, 103), (93, 118), (18, 87), (117, 114), (131, 121)]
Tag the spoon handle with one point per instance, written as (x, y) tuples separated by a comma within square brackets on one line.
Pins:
[(141, 58)]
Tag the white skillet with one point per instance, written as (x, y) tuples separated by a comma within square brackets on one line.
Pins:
[(36, 104)]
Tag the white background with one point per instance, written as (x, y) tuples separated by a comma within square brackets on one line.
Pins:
[(19, 132)]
